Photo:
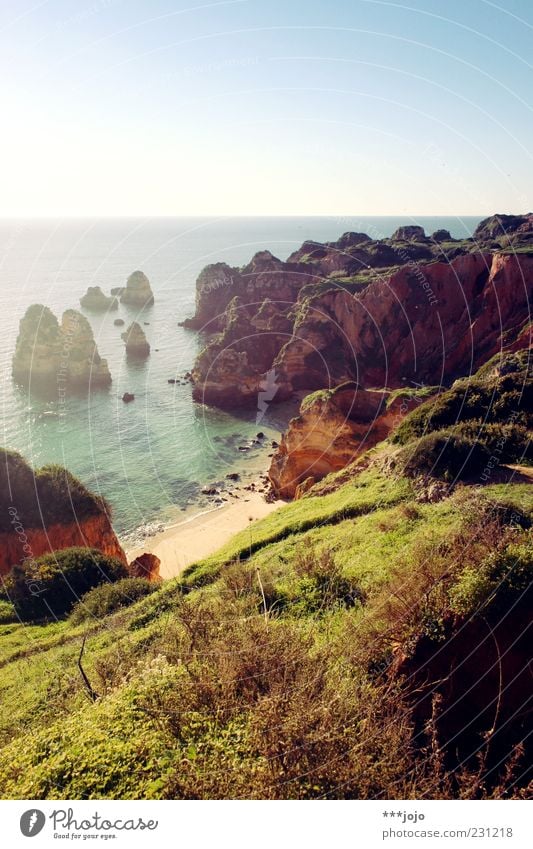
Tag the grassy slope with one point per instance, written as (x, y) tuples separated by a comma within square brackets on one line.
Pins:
[(56, 743)]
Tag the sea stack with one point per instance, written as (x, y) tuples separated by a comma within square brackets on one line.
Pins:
[(79, 354), (136, 343), (95, 299), (138, 292), (49, 354)]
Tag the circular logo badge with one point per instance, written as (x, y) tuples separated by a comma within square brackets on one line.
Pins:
[(32, 822)]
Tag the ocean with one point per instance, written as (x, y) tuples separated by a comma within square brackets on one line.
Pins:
[(152, 457)]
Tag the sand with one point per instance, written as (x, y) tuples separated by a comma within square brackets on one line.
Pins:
[(193, 539)]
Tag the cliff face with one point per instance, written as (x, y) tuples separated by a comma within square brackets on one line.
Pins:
[(51, 355), (426, 325), (48, 509), (249, 313), (333, 428), (22, 542), (381, 312)]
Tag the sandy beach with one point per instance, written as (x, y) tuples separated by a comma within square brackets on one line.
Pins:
[(195, 538)]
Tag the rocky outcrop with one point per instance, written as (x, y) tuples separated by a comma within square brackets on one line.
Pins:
[(137, 292), (423, 325), (498, 226), (264, 278), (382, 312), (94, 299), (333, 428), (51, 355), (146, 566), (409, 233), (137, 346), (48, 510)]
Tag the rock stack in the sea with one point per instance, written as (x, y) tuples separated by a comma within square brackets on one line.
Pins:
[(136, 342), (80, 353), (95, 299), (137, 292), (50, 354)]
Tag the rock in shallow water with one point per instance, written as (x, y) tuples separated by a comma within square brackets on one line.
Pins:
[(136, 343), (50, 354)]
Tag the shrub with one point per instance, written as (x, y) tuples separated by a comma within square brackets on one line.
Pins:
[(107, 598), (500, 391), (444, 454), (49, 586), (7, 613), (42, 497)]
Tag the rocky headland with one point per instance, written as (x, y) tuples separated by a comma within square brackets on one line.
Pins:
[(333, 428), (47, 510), (51, 354), (388, 314)]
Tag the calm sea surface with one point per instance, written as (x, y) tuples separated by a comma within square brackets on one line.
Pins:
[(150, 458)]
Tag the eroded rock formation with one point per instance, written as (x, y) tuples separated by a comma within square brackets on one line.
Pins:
[(135, 340), (146, 566), (334, 426), (137, 292), (380, 312), (95, 299), (51, 355)]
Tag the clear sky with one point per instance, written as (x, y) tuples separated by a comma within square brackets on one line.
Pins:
[(184, 107)]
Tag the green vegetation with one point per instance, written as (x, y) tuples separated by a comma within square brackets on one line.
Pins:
[(501, 391), (43, 497), (268, 670), (329, 650), (48, 587), (107, 598)]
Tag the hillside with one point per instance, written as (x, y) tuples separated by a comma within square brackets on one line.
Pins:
[(370, 639)]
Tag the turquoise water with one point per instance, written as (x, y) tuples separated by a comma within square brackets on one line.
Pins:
[(150, 458)]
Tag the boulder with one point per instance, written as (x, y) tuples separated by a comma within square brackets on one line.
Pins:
[(128, 397), (137, 292), (146, 566), (119, 322), (137, 345)]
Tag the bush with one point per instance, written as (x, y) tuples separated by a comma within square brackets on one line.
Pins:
[(107, 598), (500, 391), (7, 613), (48, 587), (42, 497), (444, 454)]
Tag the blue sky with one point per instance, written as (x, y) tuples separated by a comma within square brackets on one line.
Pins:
[(172, 107)]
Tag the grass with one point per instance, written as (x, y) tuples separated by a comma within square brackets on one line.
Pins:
[(286, 664)]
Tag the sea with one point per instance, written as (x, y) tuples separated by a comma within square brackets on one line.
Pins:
[(151, 458)]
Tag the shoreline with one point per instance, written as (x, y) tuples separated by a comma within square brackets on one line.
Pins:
[(202, 534)]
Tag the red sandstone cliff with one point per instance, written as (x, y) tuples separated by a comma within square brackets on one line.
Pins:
[(22, 543), (333, 428), (426, 324)]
